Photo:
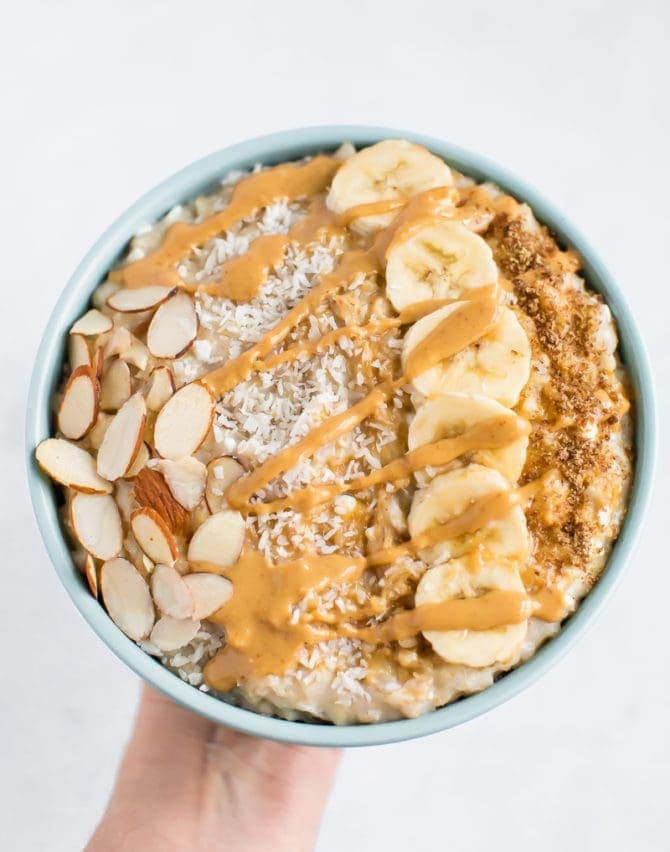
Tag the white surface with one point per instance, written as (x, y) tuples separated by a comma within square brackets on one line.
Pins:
[(99, 102)]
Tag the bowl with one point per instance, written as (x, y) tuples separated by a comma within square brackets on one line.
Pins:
[(200, 177)]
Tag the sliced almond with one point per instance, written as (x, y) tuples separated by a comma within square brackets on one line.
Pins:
[(91, 572), (140, 462), (78, 553), (70, 465), (184, 421), (102, 340), (96, 522), (134, 553), (161, 388), (210, 592), (199, 515), (137, 354), (78, 409), (98, 362), (127, 598), (170, 634), (134, 301), (218, 541), (97, 432), (124, 494), (78, 353), (137, 324), (123, 439), (173, 327), (116, 386), (185, 479), (93, 322), (171, 594), (221, 473), (151, 490), (103, 292), (154, 536), (118, 342)]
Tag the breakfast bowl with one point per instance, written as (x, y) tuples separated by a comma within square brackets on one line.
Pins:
[(202, 177)]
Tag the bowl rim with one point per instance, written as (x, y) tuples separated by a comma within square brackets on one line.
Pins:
[(200, 176)]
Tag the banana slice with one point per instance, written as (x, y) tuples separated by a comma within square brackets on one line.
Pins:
[(444, 260), (497, 365), (448, 496), (452, 414), (393, 169), (477, 648)]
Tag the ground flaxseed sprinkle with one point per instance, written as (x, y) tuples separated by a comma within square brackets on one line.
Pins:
[(576, 394)]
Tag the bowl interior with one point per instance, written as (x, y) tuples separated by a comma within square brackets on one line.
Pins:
[(198, 178)]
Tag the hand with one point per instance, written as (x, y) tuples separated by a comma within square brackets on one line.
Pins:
[(189, 784)]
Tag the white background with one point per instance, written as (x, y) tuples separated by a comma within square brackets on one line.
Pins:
[(102, 100)]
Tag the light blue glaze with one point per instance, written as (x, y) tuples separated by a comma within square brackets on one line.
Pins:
[(198, 178)]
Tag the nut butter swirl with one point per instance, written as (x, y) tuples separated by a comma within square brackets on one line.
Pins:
[(287, 181)]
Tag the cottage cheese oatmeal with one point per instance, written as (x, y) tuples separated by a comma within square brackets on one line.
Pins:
[(346, 439)]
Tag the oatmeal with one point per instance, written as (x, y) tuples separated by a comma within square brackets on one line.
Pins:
[(346, 439)]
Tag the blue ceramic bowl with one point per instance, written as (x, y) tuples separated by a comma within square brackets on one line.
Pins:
[(198, 178)]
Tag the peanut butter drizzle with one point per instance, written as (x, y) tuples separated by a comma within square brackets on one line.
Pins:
[(239, 493), (464, 326), (249, 195), (423, 209), (311, 347), (263, 638), (415, 312), (496, 608), (528, 492), (427, 206), (550, 603), (487, 435), (241, 278), (469, 322), (260, 636), (407, 316), (374, 208), (479, 514), (226, 377), (418, 310)]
